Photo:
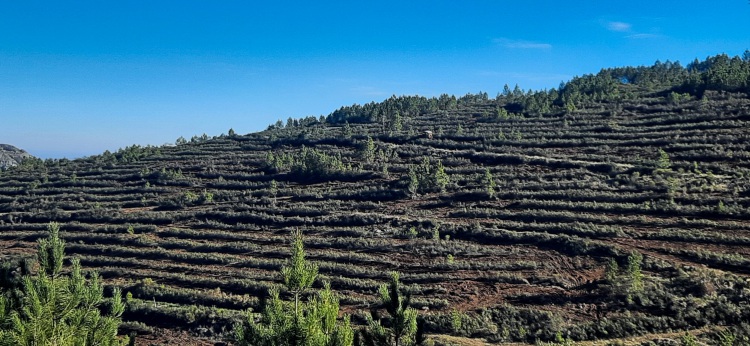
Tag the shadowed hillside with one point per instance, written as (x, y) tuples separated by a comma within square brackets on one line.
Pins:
[(612, 206)]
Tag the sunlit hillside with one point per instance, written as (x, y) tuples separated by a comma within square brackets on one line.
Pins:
[(612, 207)]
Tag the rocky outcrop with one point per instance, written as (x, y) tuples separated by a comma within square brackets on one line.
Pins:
[(11, 156)]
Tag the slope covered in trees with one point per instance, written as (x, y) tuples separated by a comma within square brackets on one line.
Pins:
[(612, 206)]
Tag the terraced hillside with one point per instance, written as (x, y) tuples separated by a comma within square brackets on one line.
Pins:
[(509, 215)]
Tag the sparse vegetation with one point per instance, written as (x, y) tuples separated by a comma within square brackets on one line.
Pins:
[(618, 206)]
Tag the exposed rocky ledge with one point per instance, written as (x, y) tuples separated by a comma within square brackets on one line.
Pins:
[(11, 156)]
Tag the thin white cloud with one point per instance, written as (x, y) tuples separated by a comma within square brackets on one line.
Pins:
[(521, 44), (643, 36), (618, 26), (627, 30)]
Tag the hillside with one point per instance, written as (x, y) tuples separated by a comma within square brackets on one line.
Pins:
[(507, 213), (11, 156)]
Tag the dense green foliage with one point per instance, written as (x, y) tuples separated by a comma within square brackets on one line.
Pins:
[(312, 323), (51, 308), (400, 327)]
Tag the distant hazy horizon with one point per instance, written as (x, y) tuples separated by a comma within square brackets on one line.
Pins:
[(79, 80)]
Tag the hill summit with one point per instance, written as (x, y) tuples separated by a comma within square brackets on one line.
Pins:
[(11, 156)]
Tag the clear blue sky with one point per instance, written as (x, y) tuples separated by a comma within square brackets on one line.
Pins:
[(81, 77)]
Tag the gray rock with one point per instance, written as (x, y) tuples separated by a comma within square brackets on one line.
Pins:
[(11, 156)]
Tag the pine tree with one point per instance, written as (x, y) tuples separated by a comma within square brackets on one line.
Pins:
[(313, 323), (298, 274), (634, 271), (401, 327), (273, 189), (663, 162), (55, 309), (441, 178), (347, 130), (611, 272), (368, 152), (397, 125), (413, 186), (489, 183)]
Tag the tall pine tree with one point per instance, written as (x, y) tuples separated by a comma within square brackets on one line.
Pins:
[(400, 327), (313, 323), (52, 308)]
